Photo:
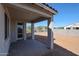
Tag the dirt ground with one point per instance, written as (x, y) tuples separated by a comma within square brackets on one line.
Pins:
[(68, 40)]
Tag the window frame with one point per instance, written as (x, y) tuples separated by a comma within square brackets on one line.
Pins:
[(6, 26)]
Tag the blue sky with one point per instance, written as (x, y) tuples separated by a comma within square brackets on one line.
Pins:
[(67, 14)]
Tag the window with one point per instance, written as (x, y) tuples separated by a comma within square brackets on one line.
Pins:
[(6, 26), (68, 28), (76, 28)]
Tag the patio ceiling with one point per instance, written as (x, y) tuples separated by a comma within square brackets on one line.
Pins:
[(24, 14)]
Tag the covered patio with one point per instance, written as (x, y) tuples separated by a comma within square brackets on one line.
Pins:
[(20, 15), (28, 48)]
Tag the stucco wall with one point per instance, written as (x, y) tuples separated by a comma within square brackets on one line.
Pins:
[(13, 30), (4, 44)]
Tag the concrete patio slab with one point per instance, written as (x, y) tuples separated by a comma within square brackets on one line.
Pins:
[(27, 48)]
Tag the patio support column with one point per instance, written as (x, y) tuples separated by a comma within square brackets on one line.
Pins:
[(32, 30), (25, 37), (50, 33)]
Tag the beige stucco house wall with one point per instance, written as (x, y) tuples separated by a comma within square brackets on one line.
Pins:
[(4, 44)]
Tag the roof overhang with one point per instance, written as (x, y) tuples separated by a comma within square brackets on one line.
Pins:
[(47, 8), (30, 9), (29, 12)]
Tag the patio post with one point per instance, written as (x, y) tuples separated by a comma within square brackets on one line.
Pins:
[(25, 31), (32, 30), (50, 33)]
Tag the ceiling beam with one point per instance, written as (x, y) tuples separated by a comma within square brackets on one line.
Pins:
[(39, 19), (31, 9)]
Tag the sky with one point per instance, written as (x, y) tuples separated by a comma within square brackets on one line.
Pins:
[(67, 14)]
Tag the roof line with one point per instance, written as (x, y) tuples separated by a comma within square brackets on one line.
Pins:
[(50, 7), (43, 5)]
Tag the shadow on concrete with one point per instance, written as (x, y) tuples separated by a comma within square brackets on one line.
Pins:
[(60, 51), (57, 51)]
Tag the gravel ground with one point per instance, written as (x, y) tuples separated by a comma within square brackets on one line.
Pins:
[(65, 43)]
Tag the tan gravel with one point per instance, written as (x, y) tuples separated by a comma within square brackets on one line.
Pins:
[(66, 39)]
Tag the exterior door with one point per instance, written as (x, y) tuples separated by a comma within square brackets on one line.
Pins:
[(20, 30)]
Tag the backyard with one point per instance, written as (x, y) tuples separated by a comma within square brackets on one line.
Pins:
[(65, 42)]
